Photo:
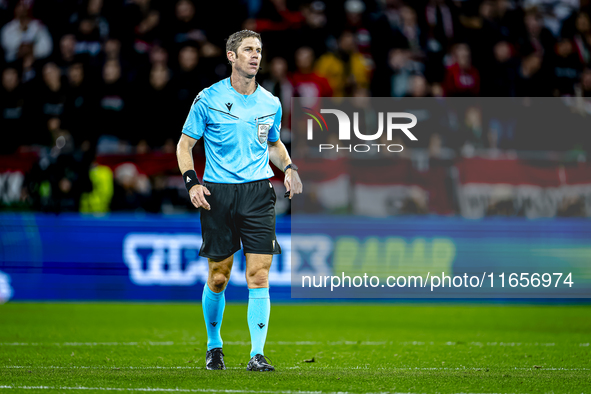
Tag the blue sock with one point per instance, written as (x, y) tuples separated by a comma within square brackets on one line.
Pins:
[(213, 312), (259, 308)]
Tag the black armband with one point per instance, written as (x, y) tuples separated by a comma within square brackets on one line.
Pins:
[(190, 178)]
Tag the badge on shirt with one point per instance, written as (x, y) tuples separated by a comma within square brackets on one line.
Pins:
[(263, 132)]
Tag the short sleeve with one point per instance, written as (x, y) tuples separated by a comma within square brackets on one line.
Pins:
[(276, 129), (197, 119)]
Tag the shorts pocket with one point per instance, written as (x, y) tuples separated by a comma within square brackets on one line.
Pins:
[(273, 194)]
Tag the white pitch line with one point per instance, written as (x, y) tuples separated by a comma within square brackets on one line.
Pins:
[(154, 389), (296, 343), (156, 367), (166, 390), (151, 367)]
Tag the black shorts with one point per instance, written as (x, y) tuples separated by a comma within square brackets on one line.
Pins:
[(239, 212)]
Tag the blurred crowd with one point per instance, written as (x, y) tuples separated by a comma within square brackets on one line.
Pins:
[(87, 77)]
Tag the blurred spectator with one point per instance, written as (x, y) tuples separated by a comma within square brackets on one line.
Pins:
[(29, 65), (24, 30), (131, 189), (91, 11), (461, 78), (499, 76), (99, 199), (472, 130), (305, 81), (112, 50), (280, 86), (418, 86), (274, 16), (77, 109), (385, 36), (48, 102), (566, 68), (410, 29), (536, 36), (158, 56), (152, 109), (553, 12), (314, 32), (356, 22), (481, 30), (144, 23), (441, 25), (11, 111), (88, 38), (112, 106), (67, 52), (530, 78), (403, 67), (508, 20), (188, 80), (582, 38), (67, 172), (345, 68), (185, 28)]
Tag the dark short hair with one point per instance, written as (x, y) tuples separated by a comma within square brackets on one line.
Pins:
[(235, 39)]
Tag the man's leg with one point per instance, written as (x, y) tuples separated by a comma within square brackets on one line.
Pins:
[(256, 211), (259, 307), (214, 303)]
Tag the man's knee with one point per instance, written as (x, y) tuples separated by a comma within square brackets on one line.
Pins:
[(258, 277), (219, 280), (219, 275)]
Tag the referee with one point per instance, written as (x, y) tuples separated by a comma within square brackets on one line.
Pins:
[(240, 124)]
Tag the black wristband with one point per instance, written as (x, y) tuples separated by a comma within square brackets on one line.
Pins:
[(292, 166), (190, 178)]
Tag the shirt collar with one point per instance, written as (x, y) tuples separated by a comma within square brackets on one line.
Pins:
[(229, 86)]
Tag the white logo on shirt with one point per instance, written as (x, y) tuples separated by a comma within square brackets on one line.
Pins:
[(263, 132)]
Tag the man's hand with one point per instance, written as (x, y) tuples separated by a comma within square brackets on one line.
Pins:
[(292, 182), (197, 194)]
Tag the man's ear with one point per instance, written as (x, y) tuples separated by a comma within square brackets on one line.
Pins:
[(231, 56)]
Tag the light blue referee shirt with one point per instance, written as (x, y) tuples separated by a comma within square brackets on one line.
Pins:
[(235, 130)]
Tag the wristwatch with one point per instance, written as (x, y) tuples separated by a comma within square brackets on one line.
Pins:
[(292, 166)]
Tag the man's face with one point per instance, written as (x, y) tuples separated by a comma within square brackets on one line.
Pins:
[(462, 53), (9, 79), (111, 71), (304, 59), (76, 74), (188, 58), (185, 10), (278, 68), (51, 74), (68, 45), (247, 60)]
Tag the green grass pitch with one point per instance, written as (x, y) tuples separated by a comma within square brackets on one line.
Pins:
[(356, 348)]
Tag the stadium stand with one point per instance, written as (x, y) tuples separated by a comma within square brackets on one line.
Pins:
[(94, 93)]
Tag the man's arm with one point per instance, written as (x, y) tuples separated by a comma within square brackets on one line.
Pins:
[(184, 155), (280, 157)]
